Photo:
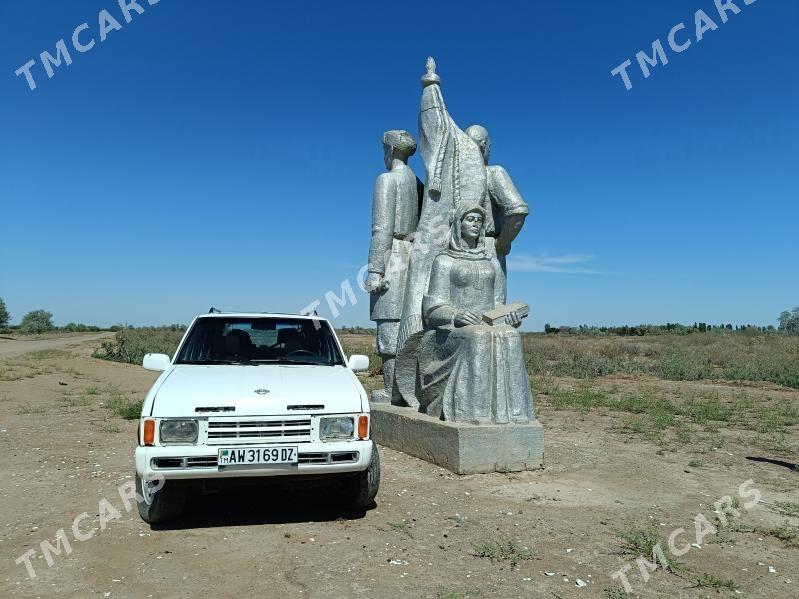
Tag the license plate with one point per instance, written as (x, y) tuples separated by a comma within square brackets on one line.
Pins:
[(247, 456)]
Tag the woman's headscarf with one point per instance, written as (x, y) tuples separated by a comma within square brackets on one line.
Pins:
[(457, 246)]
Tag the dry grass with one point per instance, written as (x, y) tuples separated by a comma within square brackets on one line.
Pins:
[(641, 542), (709, 581), (24, 368), (723, 355)]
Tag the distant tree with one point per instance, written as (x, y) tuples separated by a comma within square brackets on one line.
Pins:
[(4, 315), (38, 321), (789, 321)]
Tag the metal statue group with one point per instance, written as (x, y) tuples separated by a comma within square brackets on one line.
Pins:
[(437, 275)]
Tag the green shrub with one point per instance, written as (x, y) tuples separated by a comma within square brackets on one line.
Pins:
[(682, 366), (129, 345), (4, 315), (35, 322), (641, 542), (503, 549), (709, 581), (129, 410)]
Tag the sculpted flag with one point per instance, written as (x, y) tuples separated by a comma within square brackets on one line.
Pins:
[(456, 174)]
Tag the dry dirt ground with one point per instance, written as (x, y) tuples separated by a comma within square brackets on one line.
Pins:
[(63, 452), (10, 346)]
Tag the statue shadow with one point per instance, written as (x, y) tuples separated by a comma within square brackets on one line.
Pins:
[(261, 505)]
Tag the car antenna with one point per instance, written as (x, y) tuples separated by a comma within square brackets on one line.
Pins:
[(214, 311)]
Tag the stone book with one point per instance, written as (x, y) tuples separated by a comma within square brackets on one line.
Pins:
[(498, 315)]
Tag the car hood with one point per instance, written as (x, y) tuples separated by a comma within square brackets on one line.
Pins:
[(194, 390)]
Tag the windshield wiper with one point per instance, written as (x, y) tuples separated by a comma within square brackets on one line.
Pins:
[(287, 360), (284, 360), (226, 362)]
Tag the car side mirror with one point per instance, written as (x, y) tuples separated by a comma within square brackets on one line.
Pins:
[(358, 363), (157, 362)]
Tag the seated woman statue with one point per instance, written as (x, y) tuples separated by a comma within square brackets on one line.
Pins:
[(470, 371)]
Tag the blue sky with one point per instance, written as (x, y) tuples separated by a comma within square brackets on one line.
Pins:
[(225, 153)]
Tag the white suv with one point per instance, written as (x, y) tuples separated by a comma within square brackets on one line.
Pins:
[(253, 395)]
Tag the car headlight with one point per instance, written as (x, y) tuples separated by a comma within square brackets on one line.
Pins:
[(340, 427), (178, 431)]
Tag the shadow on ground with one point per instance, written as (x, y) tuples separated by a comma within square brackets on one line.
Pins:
[(254, 505), (783, 463)]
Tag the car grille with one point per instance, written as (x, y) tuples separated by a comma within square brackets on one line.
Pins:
[(201, 462), (340, 457), (209, 461), (224, 432)]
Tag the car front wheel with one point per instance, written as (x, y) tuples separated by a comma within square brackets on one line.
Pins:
[(362, 489), (159, 505)]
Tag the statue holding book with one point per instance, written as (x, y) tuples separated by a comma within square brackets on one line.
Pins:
[(470, 360)]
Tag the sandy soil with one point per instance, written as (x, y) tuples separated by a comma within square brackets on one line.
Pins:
[(63, 452), (17, 346)]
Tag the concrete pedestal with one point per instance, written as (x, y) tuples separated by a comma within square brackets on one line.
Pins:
[(458, 447)]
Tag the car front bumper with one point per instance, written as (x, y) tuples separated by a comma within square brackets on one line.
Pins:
[(187, 462)]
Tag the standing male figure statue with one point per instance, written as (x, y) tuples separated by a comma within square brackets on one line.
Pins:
[(395, 215), (507, 211)]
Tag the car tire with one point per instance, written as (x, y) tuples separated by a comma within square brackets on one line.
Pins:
[(362, 489), (165, 504)]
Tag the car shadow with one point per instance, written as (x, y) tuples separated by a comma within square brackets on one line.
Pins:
[(255, 505)]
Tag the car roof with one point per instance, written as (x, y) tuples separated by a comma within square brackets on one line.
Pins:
[(261, 315)]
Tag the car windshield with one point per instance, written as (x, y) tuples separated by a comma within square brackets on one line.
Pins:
[(260, 340)]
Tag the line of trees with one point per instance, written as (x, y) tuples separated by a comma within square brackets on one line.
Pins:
[(41, 321), (38, 321), (788, 323), (659, 329)]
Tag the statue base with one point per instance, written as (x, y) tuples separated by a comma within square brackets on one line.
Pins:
[(459, 447)]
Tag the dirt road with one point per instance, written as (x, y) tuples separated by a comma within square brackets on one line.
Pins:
[(431, 535), (16, 347)]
